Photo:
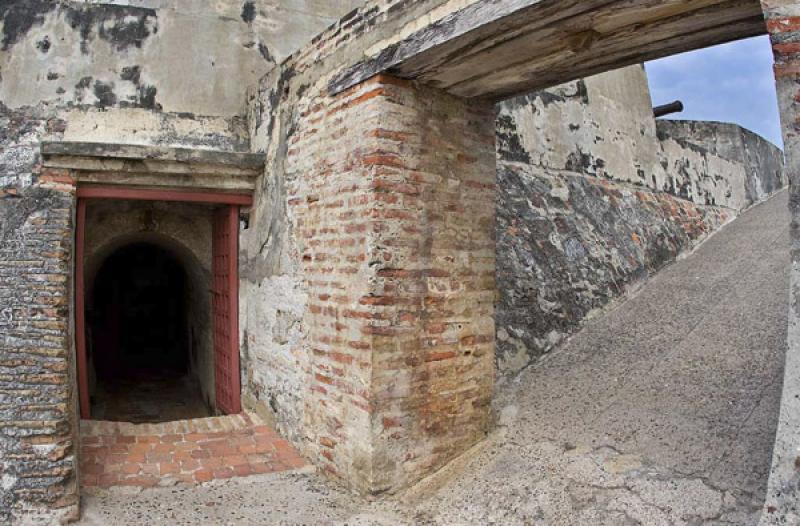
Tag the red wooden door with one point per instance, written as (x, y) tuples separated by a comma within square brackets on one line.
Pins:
[(225, 291)]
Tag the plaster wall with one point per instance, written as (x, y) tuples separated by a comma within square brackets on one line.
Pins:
[(185, 56), (172, 73), (601, 126)]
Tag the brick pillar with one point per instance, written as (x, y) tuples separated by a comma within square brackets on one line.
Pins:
[(38, 418), (392, 188), (783, 496)]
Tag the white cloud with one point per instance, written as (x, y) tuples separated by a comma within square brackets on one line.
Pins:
[(730, 83)]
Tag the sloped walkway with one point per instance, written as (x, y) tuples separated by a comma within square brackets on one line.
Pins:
[(662, 411)]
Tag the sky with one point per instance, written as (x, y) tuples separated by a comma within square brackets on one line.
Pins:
[(730, 83)]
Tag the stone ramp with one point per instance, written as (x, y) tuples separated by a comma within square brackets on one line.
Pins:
[(662, 411)]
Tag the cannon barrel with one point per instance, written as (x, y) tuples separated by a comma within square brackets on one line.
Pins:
[(666, 109)]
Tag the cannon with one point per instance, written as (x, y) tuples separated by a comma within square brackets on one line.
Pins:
[(667, 109)]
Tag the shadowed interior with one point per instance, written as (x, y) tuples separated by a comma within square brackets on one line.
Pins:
[(140, 339)]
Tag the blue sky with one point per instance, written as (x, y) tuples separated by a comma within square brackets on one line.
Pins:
[(731, 83)]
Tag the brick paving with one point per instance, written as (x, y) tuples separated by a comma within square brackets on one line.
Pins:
[(185, 451)]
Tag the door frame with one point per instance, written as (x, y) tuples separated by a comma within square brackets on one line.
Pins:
[(92, 192)]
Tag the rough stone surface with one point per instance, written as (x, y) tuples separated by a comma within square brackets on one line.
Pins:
[(660, 412), (595, 195), (782, 505), (568, 245), (37, 464), (716, 163)]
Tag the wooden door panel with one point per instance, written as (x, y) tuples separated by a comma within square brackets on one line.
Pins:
[(225, 305)]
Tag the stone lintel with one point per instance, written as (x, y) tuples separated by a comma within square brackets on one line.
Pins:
[(140, 165)]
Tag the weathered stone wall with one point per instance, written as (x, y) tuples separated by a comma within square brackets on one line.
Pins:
[(595, 195), (717, 163), (603, 126), (569, 244)]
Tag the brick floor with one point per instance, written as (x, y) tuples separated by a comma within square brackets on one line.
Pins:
[(186, 451)]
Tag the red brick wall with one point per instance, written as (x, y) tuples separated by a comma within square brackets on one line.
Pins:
[(37, 396), (392, 193)]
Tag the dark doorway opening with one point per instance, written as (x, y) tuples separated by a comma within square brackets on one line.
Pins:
[(140, 339)]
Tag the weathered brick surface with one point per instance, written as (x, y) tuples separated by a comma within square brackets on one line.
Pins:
[(185, 451), (397, 250), (37, 457), (390, 202), (431, 308), (37, 434), (274, 294), (317, 349)]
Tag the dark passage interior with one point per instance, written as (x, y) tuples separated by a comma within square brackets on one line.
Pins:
[(139, 338)]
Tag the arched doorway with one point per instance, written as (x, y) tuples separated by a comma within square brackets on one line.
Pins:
[(199, 233), (140, 337)]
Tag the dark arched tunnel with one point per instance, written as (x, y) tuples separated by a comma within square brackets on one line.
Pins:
[(140, 338)]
